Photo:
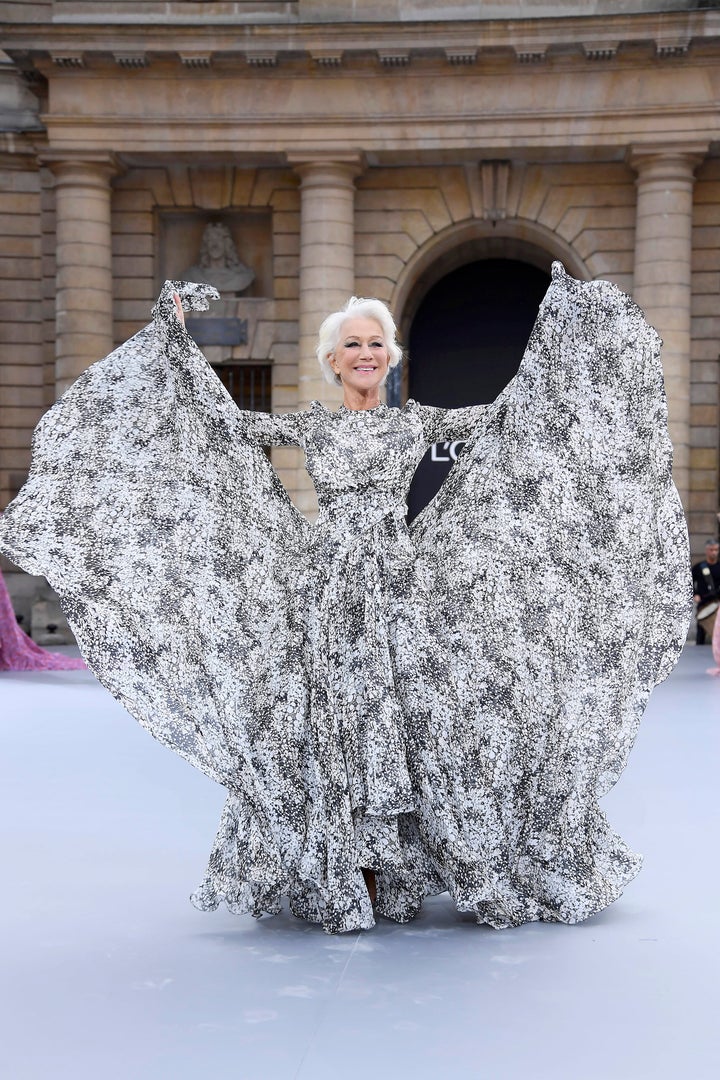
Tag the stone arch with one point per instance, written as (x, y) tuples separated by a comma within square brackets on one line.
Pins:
[(468, 241)]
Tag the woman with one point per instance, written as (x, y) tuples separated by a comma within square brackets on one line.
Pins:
[(391, 710), (715, 649)]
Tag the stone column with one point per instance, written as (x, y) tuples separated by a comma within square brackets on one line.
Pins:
[(663, 249), (83, 256), (327, 273)]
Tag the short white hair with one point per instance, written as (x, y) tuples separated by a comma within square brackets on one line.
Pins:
[(331, 332)]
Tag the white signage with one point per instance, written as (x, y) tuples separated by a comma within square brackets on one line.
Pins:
[(446, 451)]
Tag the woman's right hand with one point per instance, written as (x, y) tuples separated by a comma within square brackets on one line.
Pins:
[(179, 308)]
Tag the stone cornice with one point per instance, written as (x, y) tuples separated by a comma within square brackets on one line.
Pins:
[(441, 102), (598, 39), (280, 139), (548, 106), (463, 107)]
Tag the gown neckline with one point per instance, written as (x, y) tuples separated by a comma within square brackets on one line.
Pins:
[(343, 409), (375, 408)]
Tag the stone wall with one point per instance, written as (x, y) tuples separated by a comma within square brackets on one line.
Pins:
[(582, 213), (21, 331), (704, 501)]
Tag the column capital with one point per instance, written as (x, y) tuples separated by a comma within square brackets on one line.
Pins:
[(311, 165), (78, 167), (666, 161)]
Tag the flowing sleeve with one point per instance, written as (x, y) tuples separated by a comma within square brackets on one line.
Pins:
[(449, 424), (161, 524), (270, 429), (557, 548)]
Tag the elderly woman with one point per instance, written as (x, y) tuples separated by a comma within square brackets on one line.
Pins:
[(394, 712)]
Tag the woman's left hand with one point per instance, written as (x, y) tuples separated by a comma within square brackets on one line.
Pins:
[(179, 308)]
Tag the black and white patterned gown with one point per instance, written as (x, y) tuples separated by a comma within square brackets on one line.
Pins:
[(446, 703)]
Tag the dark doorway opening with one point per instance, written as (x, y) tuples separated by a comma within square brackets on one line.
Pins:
[(465, 344)]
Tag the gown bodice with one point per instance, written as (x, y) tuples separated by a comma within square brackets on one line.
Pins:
[(362, 459), (355, 452)]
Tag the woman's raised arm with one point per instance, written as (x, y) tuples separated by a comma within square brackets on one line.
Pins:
[(440, 425)]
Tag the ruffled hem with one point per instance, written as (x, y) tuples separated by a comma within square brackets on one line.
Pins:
[(306, 903), (401, 901), (560, 881)]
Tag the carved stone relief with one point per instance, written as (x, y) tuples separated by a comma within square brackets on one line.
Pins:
[(231, 250)]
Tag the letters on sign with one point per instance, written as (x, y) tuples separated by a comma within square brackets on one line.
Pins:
[(446, 451)]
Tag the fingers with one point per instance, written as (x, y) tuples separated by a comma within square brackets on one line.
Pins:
[(179, 308)]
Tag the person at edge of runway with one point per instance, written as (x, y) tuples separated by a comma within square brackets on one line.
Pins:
[(716, 635), (393, 710), (18, 652), (706, 581), (715, 649)]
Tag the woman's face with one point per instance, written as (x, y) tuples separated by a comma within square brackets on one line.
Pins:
[(361, 356)]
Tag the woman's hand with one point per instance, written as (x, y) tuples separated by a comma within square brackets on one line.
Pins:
[(179, 308)]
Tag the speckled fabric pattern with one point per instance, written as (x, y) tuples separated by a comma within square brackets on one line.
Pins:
[(444, 704)]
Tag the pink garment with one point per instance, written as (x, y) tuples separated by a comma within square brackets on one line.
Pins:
[(18, 652), (715, 649)]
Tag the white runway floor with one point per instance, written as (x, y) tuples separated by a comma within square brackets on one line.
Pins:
[(110, 974)]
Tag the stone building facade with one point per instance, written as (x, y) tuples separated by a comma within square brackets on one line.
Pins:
[(353, 148)]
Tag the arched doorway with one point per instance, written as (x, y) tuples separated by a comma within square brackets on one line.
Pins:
[(465, 343)]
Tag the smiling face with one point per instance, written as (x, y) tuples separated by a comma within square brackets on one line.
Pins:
[(361, 356)]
